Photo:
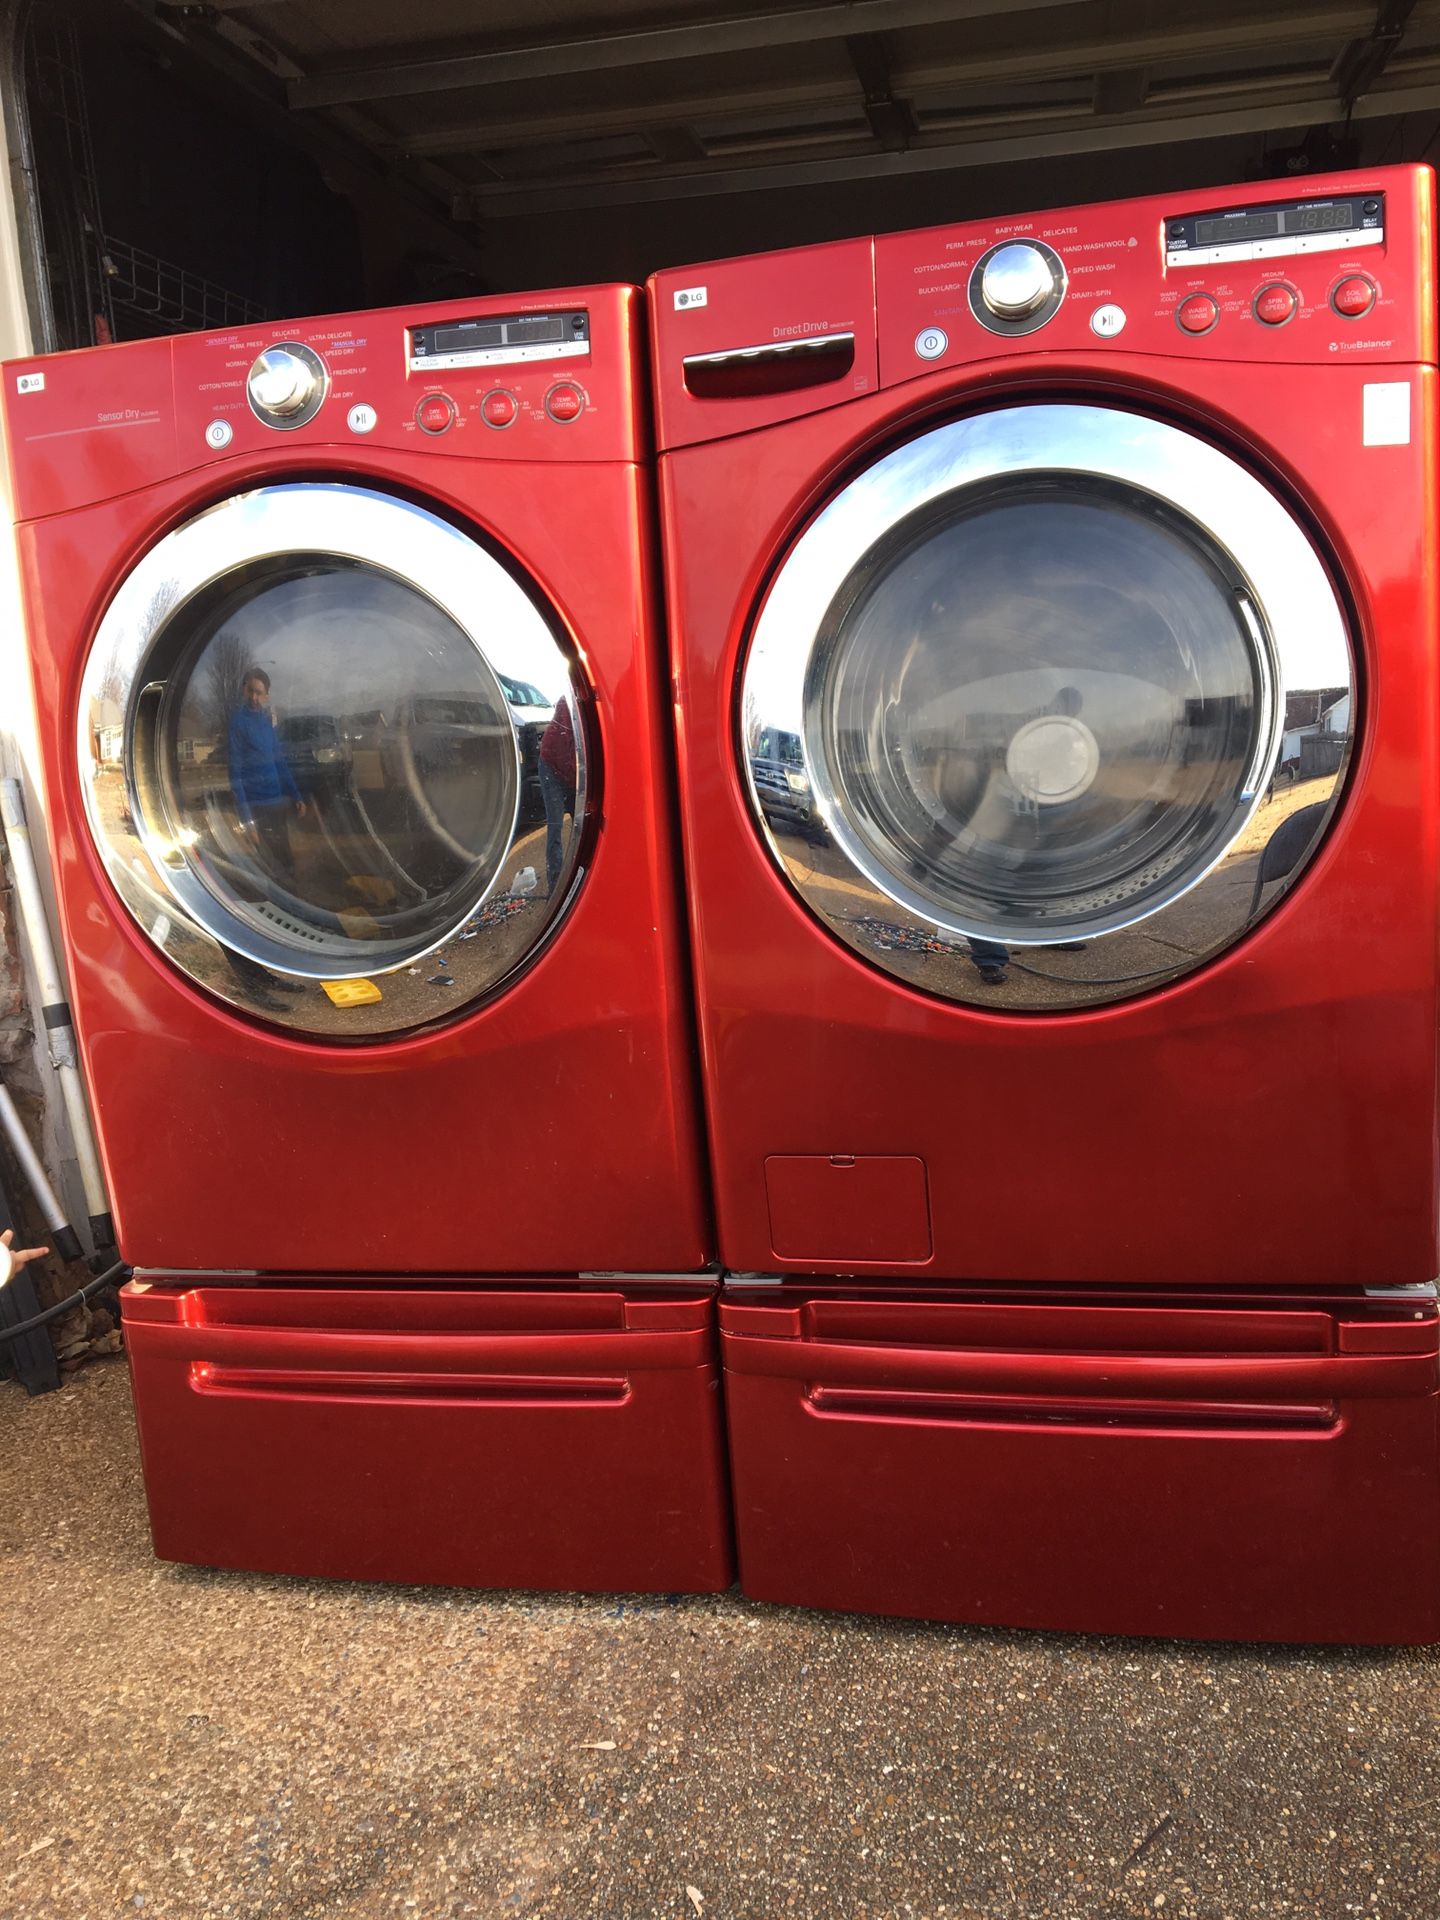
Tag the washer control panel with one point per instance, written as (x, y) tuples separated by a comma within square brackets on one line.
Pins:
[(549, 377), (463, 378), (1331, 272)]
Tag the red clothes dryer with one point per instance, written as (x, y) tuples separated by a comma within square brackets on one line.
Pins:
[(1054, 621), (354, 736)]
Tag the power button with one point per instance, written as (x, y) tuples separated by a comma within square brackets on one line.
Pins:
[(931, 342)]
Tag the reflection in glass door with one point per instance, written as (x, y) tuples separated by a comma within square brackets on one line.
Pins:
[(347, 738)]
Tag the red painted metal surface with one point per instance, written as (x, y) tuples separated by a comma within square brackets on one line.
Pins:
[(112, 420), (1239, 1467), (484, 1436), (1271, 1118), (555, 1129), (761, 301)]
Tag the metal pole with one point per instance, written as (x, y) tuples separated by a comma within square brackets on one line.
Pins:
[(67, 1243), (55, 1012)]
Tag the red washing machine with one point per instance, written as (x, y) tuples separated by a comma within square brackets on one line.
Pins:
[(1054, 618), (354, 729)]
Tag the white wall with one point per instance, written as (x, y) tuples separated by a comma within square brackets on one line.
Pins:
[(19, 749)]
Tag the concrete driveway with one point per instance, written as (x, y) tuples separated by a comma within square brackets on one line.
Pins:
[(180, 1744)]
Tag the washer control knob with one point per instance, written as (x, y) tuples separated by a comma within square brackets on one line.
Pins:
[(435, 413), (1276, 304), (286, 385), (565, 402), (1017, 281), (1198, 314), (1353, 296), (499, 408)]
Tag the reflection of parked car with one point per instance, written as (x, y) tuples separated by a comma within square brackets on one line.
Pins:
[(528, 702), (782, 786), (319, 754)]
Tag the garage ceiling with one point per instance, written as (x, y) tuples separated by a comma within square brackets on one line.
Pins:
[(517, 107)]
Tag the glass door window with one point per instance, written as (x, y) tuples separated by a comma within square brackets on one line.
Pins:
[(1016, 707), (319, 739)]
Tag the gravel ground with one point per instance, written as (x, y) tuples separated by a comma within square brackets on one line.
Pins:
[(182, 1744)]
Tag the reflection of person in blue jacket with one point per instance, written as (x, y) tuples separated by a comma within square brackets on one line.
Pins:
[(260, 777)]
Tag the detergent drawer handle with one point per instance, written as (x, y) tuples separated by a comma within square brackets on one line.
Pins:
[(779, 366), (1092, 1376), (583, 1351), (465, 1389)]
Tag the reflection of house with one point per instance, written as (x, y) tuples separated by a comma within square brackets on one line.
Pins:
[(1306, 716), (1323, 748), (108, 732)]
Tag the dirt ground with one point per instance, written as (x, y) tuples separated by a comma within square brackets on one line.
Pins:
[(179, 1744)]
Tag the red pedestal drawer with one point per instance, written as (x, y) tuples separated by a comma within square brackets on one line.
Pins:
[(507, 1435), (1232, 1468)]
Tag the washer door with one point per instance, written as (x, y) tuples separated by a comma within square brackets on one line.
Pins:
[(1047, 707), (334, 759)]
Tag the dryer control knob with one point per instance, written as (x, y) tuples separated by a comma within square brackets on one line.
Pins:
[(286, 385), (1017, 281)]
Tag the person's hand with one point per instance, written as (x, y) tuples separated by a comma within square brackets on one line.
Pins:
[(13, 1258)]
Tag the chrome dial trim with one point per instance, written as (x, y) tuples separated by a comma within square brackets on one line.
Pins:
[(1015, 280), (220, 913), (287, 385), (1017, 286), (1285, 613)]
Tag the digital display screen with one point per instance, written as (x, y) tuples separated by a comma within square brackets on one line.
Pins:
[(473, 333), (1234, 227), (1238, 226), (1320, 219), (530, 331), (502, 338)]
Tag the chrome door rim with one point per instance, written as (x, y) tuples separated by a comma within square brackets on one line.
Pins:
[(1300, 625), (184, 917)]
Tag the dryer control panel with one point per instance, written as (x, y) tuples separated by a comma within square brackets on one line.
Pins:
[(533, 377), (1335, 268)]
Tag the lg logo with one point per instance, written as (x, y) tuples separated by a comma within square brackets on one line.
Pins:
[(691, 297)]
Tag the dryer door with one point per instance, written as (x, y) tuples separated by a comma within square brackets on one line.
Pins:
[(326, 736), (1047, 707)]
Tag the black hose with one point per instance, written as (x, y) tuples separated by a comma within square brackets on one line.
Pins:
[(107, 1279)]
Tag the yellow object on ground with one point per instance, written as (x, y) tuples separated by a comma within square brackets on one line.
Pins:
[(352, 993)]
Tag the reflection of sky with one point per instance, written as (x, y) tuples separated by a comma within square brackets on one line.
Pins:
[(388, 535), (347, 642), (1289, 583)]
